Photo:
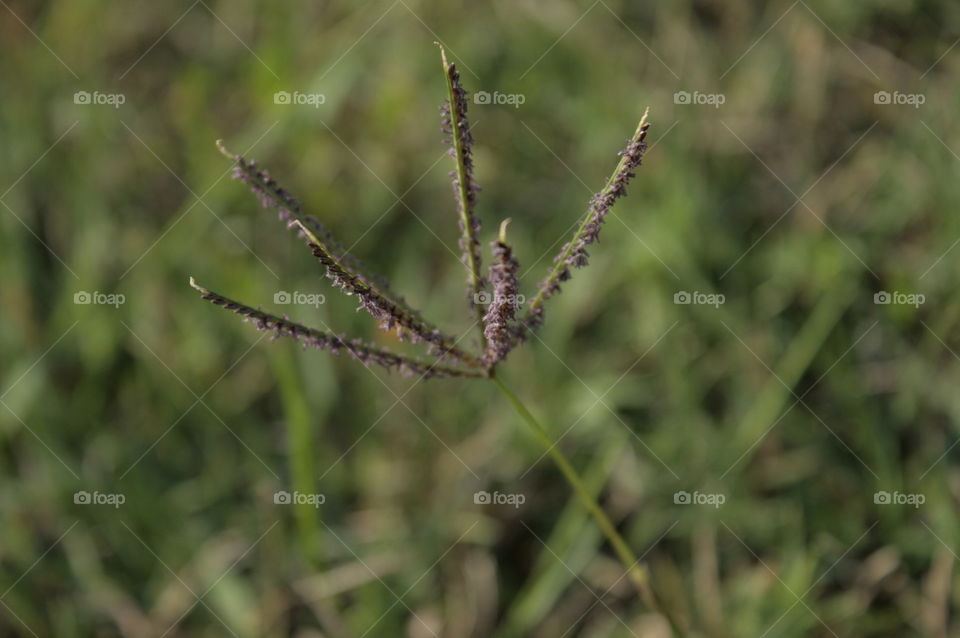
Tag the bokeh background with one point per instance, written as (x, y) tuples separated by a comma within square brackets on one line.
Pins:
[(803, 160)]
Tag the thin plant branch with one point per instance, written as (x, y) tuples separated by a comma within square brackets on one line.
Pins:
[(456, 125), (574, 253), (323, 340)]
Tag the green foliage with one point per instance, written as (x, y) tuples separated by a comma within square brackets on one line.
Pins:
[(798, 398)]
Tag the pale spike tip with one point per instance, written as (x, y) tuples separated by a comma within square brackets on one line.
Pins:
[(503, 230), (443, 54), (223, 150)]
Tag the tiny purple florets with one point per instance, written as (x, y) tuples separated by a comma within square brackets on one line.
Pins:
[(503, 305), (574, 253), (500, 327), (358, 349), (457, 129), (602, 202), (388, 314)]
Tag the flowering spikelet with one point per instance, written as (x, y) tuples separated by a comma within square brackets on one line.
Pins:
[(574, 253), (389, 315), (457, 128), (374, 293), (358, 349), (602, 202), (289, 210), (503, 306)]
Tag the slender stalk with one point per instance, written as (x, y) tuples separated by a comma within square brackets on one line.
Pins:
[(637, 572)]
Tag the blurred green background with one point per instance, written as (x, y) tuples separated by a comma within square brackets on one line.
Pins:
[(777, 177)]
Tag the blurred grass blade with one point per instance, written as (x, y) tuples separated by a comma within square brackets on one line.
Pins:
[(301, 449), (573, 539)]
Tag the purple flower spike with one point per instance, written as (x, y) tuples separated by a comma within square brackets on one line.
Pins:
[(358, 349), (503, 305), (457, 128), (574, 253)]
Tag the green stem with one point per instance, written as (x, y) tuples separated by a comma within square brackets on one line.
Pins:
[(637, 572)]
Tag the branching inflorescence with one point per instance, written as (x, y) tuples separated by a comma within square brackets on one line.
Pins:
[(500, 327)]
